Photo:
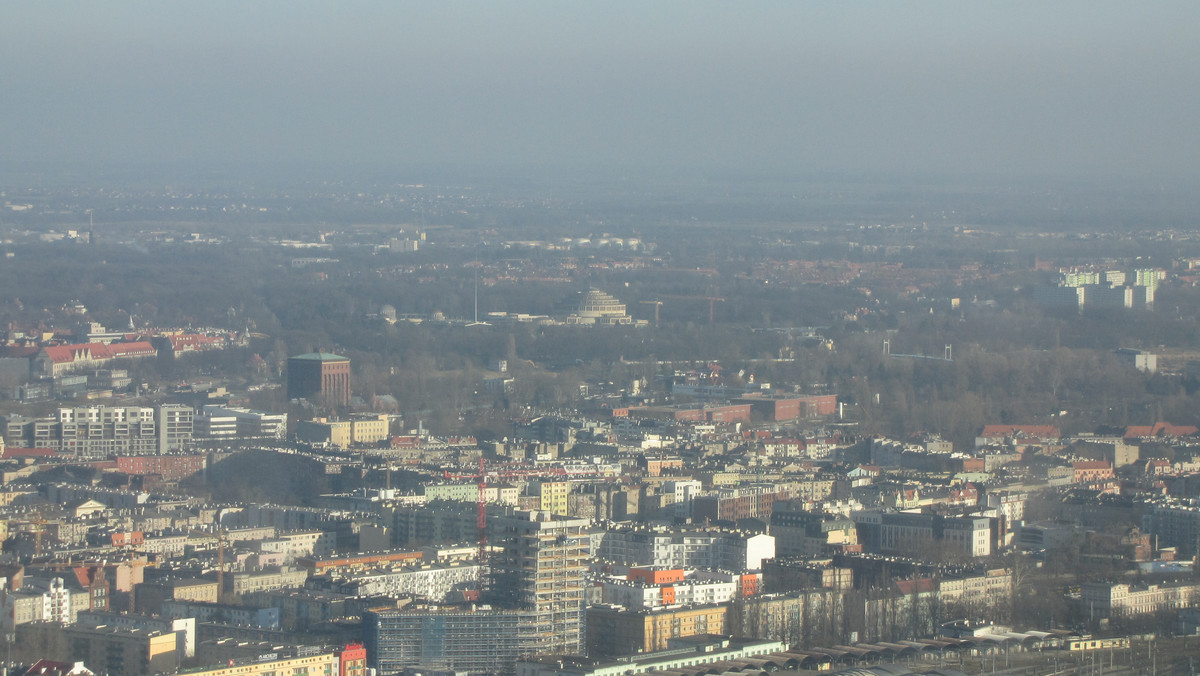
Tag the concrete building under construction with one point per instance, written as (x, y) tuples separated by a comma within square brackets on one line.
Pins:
[(538, 561)]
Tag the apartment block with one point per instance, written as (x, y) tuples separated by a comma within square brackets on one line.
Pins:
[(431, 581), (540, 568), (614, 631), (686, 548), (1175, 522), (228, 422), (1116, 600), (365, 430), (97, 432), (105, 649), (480, 640)]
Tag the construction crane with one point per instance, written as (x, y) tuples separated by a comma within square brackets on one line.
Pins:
[(657, 304), (57, 565), (521, 473), (39, 524), (222, 539), (712, 301)]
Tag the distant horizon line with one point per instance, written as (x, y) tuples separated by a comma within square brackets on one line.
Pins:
[(446, 173)]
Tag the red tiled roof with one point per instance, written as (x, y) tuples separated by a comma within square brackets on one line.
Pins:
[(138, 349), (920, 586), (86, 575), (1091, 464), (82, 576), (16, 452), (65, 354)]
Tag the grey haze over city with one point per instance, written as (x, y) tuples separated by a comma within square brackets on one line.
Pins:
[(1010, 89), (599, 338)]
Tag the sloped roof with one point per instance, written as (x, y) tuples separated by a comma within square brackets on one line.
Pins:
[(923, 585), (15, 452), (65, 354), (1159, 429)]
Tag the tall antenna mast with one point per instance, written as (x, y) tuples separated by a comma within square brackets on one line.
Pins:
[(476, 321)]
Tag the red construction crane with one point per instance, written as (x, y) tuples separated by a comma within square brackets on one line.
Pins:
[(481, 504)]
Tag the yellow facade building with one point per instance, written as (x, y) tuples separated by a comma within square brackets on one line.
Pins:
[(341, 433), (552, 495), (327, 664), (613, 630)]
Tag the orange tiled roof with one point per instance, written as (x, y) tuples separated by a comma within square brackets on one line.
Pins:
[(17, 452), (65, 354)]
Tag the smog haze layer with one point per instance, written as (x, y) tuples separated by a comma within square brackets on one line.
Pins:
[(665, 91)]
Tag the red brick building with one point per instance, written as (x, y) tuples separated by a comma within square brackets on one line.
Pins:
[(732, 504), (170, 467), (791, 408), (319, 376)]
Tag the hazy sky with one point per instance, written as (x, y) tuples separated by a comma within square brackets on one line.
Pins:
[(1009, 88)]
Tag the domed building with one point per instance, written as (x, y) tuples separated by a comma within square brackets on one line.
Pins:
[(597, 308)]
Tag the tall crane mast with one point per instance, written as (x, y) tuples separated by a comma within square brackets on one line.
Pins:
[(657, 306), (481, 515), (222, 538), (712, 301)]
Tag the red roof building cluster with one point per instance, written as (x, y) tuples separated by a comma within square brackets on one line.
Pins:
[(13, 452), (57, 359), (194, 342)]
